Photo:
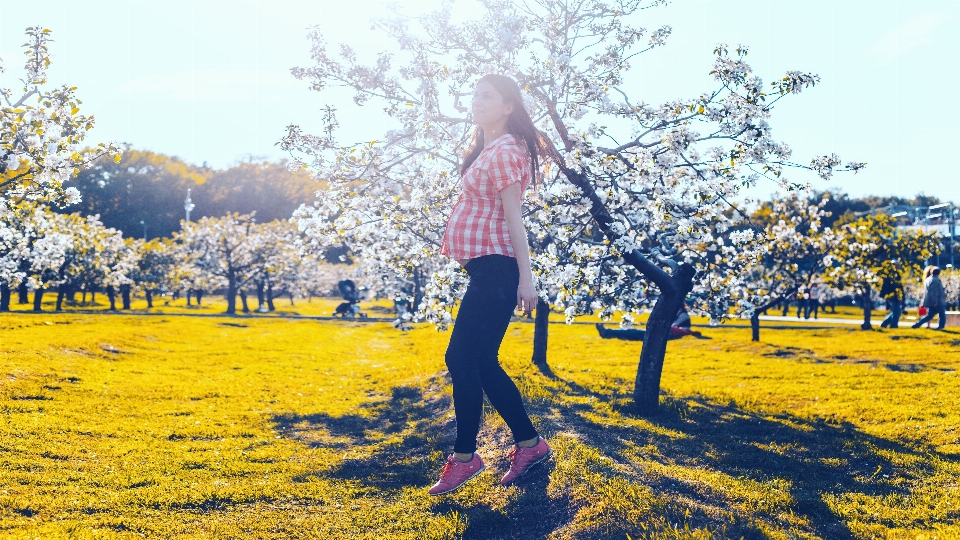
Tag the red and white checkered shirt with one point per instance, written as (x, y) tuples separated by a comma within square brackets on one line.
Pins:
[(478, 223)]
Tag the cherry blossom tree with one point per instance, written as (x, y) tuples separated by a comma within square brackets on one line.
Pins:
[(42, 132), (98, 258), (155, 265), (33, 246), (635, 211), (225, 249), (795, 251)]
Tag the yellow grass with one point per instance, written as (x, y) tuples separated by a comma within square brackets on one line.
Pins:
[(174, 426)]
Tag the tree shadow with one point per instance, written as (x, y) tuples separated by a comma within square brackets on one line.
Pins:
[(398, 441), (419, 419), (817, 458)]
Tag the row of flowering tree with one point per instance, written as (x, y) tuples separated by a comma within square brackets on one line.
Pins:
[(42, 146), (42, 250), (797, 252), (637, 211)]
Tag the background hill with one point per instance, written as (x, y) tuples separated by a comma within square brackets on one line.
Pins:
[(151, 187)]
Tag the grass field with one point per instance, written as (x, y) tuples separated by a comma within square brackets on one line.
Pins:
[(224, 427)]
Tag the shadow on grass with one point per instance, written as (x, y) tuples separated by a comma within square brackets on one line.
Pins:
[(817, 458), (418, 419), (398, 441)]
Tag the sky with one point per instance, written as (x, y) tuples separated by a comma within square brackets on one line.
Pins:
[(209, 80)]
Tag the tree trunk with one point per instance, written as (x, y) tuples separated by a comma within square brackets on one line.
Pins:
[(22, 294), (149, 295), (83, 296), (93, 296), (231, 295), (199, 295), (125, 296), (4, 297), (646, 393), (61, 294), (38, 300), (867, 306), (243, 301), (291, 298), (541, 329), (417, 290), (112, 296), (270, 305), (259, 296), (72, 295), (755, 326), (673, 288)]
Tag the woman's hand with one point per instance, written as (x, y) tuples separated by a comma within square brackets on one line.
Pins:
[(526, 296)]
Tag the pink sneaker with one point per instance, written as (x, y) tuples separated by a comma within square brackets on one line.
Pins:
[(523, 459), (456, 473)]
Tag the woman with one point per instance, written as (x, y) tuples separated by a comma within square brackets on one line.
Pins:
[(934, 298), (485, 234)]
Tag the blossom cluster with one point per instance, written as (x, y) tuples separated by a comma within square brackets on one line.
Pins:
[(664, 185)]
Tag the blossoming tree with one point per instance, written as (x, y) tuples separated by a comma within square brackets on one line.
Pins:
[(795, 250), (42, 132), (635, 210)]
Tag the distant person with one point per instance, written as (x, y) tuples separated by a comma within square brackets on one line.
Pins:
[(803, 301), (678, 329), (485, 234), (934, 299), (813, 303), (891, 290)]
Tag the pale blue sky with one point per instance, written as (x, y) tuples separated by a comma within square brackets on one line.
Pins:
[(208, 80)]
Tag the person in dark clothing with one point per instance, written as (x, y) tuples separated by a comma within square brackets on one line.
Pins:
[(891, 290), (679, 328), (803, 300)]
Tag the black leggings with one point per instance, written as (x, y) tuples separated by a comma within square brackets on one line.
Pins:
[(471, 357)]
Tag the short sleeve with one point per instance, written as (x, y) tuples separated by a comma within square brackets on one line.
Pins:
[(508, 167)]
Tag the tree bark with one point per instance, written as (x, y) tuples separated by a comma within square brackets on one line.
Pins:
[(541, 329), (4, 297), (199, 295), (22, 294), (646, 392), (259, 296), (243, 301), (149, 294), (755, 326), (867, 303), (38, 300), (417, 290), (125, 296), (231, 294), (189, 296), (270, 305), (112, 296), (61, 294), (290, 294)]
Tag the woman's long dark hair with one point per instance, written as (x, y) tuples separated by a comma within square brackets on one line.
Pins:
[(519, 125)]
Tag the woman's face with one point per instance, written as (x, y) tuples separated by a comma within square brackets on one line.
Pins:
[(489, 108)]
